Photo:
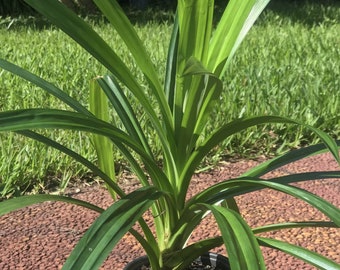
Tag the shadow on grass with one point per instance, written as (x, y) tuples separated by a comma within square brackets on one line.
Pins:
[(308, 12)]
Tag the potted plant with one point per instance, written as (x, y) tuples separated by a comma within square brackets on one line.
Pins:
[(178, 111)]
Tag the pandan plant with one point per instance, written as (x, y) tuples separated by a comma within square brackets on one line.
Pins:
[(178, 110)]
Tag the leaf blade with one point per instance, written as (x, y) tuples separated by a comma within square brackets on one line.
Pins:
[(108, 229), (13, 204), (45, 85), (99, 107), (234, 187), (242, 247), (287, 158), (306, 255)]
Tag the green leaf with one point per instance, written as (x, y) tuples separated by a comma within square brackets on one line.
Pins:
[(239, 125), (58, 119), (217, 136), (20, 120), (100, 108), (171, 64), (234, 187), (236, 21), (127, 116), (204, 90), (43, 139), (45, 85), (256, 10), (195, 26), (23, 201), (86, 37), (117, 17), (289, 225), (238, 186), (243, 249), (109, 228), (231, 204), (123, 108), (200, 98), (228, 189), (287, 158), (114, 13), (306, 255)]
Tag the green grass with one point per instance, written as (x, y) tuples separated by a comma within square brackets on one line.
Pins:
[(288, 65)]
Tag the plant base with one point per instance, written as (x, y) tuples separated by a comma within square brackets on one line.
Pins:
[(208, 261)]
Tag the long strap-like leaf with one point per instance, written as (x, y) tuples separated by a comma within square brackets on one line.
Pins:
[(234, 187), (24, 201), (171, 65), (287, 158), (99, 106), (109, 228), (204, 90), (88, 164), (256, 10), (236, 21), (115, 14), (58, 119), (289, 225), (85, 36), (124, 110), (241, 124), (243, 249), (228, 188), (43, 84), (306, 255), (195, 26)]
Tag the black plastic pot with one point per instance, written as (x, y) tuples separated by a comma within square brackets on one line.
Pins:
[(209, 259)]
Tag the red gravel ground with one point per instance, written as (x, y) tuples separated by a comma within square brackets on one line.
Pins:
[(42, 236)]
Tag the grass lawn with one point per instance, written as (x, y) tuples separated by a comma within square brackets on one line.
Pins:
[(288, 65)]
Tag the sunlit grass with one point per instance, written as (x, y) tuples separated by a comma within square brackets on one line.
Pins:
[(288, 65)]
